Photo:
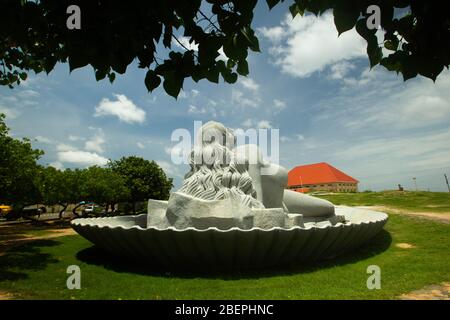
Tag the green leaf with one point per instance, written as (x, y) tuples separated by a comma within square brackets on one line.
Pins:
[(198, 73), (249, 35), (374, 52), (295, 9), (111, 77), (391, 45), (173, 83), (77, 61), (213, 75), (230, 77), (345, 15), (230, 63), (23, 76), (167, 37), (242, 68), (361, 28), (152, 80), (100, 75), (272, 3)]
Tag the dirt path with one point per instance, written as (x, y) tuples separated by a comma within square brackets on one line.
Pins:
[(443, 217), (5, 296), (433, 292), (13, 235), (10, 240)]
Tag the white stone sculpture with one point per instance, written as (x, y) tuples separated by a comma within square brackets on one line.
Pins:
[(226, 188), (229, 213)]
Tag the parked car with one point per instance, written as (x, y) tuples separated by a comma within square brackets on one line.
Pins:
[(89, 209), (5, 209), (92, 210), (31, 212)]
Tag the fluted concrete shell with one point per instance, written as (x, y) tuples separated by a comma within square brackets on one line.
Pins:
[(233, 248)]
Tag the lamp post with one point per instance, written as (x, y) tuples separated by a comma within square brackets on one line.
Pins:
[(415, 182), (446, 180)]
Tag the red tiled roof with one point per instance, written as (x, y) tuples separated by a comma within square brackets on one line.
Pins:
[(317, 173)]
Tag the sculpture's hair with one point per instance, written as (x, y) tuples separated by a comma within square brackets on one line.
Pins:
[(214, 173)]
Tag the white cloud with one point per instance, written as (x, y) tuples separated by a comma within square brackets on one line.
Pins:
[(249, 84), (123, 108), (195, 110), (9, 113), (195, 93), (82, 158), (264, 124), (140, 145), (57, 165), (75, 138), (392, 104), (279, 104), (65, 147), (274, 34), (418, 151), (298, 137), (309, 44), (182, 95), (176, 150), (95, 143), (70, 154), (247, 123), (238, 98), (42, 139), (169, 168), (340, 69), (28, 94)]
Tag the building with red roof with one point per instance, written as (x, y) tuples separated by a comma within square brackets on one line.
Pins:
[(320, 177)]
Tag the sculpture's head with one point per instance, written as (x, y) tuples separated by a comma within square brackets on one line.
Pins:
[(215, 174), (213, 131), (213, 146)]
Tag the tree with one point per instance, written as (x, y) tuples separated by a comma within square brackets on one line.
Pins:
[(73, 181), (18, 169), (104, 186), (53, 188), (34, 37), (144, 178)]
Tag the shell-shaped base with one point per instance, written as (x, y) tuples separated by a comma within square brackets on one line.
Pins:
[(234, 248)]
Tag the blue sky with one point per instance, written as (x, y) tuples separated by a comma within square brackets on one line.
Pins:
[(313, 86)]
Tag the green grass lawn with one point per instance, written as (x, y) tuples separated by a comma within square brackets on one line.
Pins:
[(414, 201), (37, 270)]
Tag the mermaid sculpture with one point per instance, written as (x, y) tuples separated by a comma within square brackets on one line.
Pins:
[(232, 211), (227, 187)]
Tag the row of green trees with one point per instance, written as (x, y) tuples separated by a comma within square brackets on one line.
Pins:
[(24, 182)]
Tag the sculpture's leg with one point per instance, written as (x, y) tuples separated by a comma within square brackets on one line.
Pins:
[(309, 206)]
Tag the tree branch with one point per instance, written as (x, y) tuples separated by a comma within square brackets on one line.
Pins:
[(187, 49), (209, 20)]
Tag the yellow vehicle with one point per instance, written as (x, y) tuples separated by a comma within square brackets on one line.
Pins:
[(5, 209)]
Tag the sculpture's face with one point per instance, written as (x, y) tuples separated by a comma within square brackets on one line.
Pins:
[(230, 139), (215, 131)]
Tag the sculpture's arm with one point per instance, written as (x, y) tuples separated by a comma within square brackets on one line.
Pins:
[(253, 159), (254, 170)]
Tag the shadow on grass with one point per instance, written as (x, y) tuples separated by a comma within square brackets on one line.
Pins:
[(97, 256), (18, 260)]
